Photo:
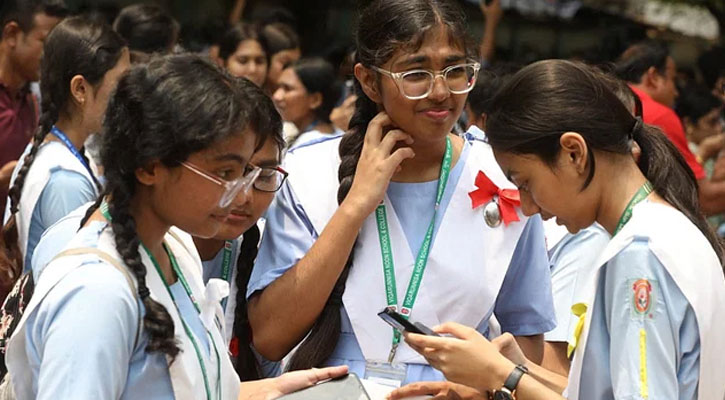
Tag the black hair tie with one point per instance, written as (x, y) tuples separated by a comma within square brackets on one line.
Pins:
[(637, 128), (143, 292)]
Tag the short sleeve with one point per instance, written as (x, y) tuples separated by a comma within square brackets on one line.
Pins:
[(570, 260), (652, 328), (288, 235), (82, 335), (524, 306), (65, 191)]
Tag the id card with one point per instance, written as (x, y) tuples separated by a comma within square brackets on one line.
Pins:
[(387, 374)]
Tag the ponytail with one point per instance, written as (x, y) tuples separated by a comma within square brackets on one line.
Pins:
[(322, 339), (672, 178)]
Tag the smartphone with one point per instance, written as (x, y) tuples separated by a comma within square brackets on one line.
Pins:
[(345, 387), (399, 322)]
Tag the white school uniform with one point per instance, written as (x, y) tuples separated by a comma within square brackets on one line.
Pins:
[(688, 260), (51, 156), (25, 361), (466, 267)]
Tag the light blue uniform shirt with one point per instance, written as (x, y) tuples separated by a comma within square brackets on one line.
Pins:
[(64, 192), (568, 258), (80, 339), (611, 363), (212, 269), (523, 307)]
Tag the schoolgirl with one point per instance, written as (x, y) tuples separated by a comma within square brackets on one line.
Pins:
[(123, 312), (405, 187), (243, 52), (230, 254), (82, 62), (307, 91), (650, 314)]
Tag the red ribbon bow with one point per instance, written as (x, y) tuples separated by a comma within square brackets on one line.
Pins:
[(508, 199)]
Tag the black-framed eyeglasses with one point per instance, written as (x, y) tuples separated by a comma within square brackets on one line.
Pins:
[(418, 83), (270, 179)]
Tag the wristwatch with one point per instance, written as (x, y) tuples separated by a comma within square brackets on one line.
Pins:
[(508, 391)]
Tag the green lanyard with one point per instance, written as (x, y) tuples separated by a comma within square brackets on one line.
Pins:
[(227, 266), (641, 194), (187, 289), (421, 260)]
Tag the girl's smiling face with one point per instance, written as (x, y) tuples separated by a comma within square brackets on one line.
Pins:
[(431, 118)]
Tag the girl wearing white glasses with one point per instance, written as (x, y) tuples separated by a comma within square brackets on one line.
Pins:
[(427, 223)]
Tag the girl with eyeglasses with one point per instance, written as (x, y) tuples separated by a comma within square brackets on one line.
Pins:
[(650, 312), (406, 233), (123, 312), (230, 254)]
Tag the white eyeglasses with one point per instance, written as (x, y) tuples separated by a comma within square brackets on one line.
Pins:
[(418, 83), (231, 188)]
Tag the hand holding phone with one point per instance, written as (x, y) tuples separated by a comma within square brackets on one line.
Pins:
[(399, 322)]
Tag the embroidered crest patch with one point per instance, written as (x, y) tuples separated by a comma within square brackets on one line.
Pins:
[(643, 297)]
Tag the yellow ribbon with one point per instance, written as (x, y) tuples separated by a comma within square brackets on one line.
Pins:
[(580, 310)]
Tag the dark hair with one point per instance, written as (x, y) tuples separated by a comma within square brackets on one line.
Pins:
[(164, 110), (639, 58), (23, 12), (238, 34), (147, 28), (551, 97), (695, 101), (385, 26), (266, 123), (279, 37), (319, 76), (712, 66), (76, 46), (487, 84)]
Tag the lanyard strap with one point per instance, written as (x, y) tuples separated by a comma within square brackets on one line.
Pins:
[(421, 260), (187, 289), (63, 138), (227, 266), (641, 194)]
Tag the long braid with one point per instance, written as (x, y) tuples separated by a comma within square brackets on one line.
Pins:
[(245, 363), (323, 337), (45, 123), (93, 208), (157, 321)]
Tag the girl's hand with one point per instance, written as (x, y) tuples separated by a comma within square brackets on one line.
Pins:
[(378, 162), (467, 358), (509, 348), (269, 389), (439, 391)]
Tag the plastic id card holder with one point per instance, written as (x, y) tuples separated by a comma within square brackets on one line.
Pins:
[(387, 374)]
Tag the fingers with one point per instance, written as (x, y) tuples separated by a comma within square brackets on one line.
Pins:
[(457, 330), (392, 138), (503, 341), (329, 372), (417, 389), (374, 134)]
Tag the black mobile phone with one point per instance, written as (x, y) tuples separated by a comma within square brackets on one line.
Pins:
[(345, 387), (399, 322)]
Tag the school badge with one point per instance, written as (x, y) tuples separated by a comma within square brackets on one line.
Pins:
[(643, 295)]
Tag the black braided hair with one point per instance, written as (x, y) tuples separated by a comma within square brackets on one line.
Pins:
[(164, 110), (266, 123), (246, 363), (385, 26), (76, 46)]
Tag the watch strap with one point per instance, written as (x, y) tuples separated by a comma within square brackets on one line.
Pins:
[(513, 380)]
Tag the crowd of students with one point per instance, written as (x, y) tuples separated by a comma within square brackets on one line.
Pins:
[(229, 224)]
